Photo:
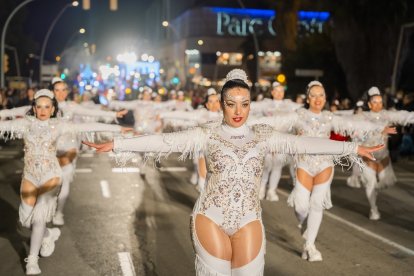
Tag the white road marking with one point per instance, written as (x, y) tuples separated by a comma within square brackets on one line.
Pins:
[(83, 170), (125, 170), (127, 265), (173, 169), (106, 192), (363, 230)]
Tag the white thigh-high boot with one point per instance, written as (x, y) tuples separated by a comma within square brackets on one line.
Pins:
[(299, 199), (208, 265), (67, 177), (265, 176), (386, 177), (369, 178), (354, 180), (320, 199), (38, 233), (292, 170), (194, 175), (274, 179)]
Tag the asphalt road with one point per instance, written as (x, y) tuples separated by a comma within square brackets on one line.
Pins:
[(118, 223)]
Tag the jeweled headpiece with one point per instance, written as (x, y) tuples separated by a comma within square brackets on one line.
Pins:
[(312, 84), (56, 79), (44, 93), (373, 91), (236, 74)]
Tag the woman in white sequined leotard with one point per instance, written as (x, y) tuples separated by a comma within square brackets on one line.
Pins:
[(378, 173), (314, 173), (227, 229), (69, 143), (212, 113), (42, 174)]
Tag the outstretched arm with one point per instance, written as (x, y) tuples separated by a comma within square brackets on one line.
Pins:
[(13, 129), (14, 112), (102, 114), (186, 142), (292, 144), (401, 117), (354, 125)]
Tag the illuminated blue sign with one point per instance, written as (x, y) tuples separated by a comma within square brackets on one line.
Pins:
[(244, 22)]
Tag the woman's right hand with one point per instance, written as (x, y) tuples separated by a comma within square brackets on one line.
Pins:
[(105, 147), (367, 151)]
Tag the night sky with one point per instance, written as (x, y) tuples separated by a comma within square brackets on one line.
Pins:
[(112, 31)]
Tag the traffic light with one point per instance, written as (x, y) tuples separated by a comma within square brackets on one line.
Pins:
[(6, 63), (86, 4), (113, 5)]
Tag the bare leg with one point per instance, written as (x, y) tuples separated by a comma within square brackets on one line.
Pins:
[(212, 246)]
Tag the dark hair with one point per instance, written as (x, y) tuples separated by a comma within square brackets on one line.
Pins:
[(230, 85), (52, 86), (30, 112)]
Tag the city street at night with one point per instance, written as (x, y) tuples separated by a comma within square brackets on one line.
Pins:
[(206, 137), (118, 223)]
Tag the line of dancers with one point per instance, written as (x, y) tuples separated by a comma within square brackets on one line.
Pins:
[(238, 147)]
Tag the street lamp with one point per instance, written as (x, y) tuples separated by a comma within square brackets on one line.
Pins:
[(82, 30), (49, 31), (3, 38), (397, 56), (167, 24)]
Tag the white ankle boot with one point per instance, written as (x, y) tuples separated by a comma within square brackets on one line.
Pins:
[(374, 214), (48, 243), (311, 254), (272, 196), (32, 266), (262, 193)]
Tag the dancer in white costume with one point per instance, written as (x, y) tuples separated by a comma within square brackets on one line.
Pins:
[(354, 180), (274, 163), (68, 145), (314, 173), (227, 229), (210, 114), (42, 174), (378, 173)]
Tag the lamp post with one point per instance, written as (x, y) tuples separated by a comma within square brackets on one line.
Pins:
[(3, 39), (397, 56), (256, 47), (49, 31)]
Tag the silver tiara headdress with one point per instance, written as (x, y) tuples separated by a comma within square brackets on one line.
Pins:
[(56, 79), (44, 93), (236, 74), (312, 84), (276, 84), (374, 91), (211, 91)]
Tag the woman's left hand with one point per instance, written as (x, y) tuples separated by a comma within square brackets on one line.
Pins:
[(105, 147), (367, 151), (390, 130)]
